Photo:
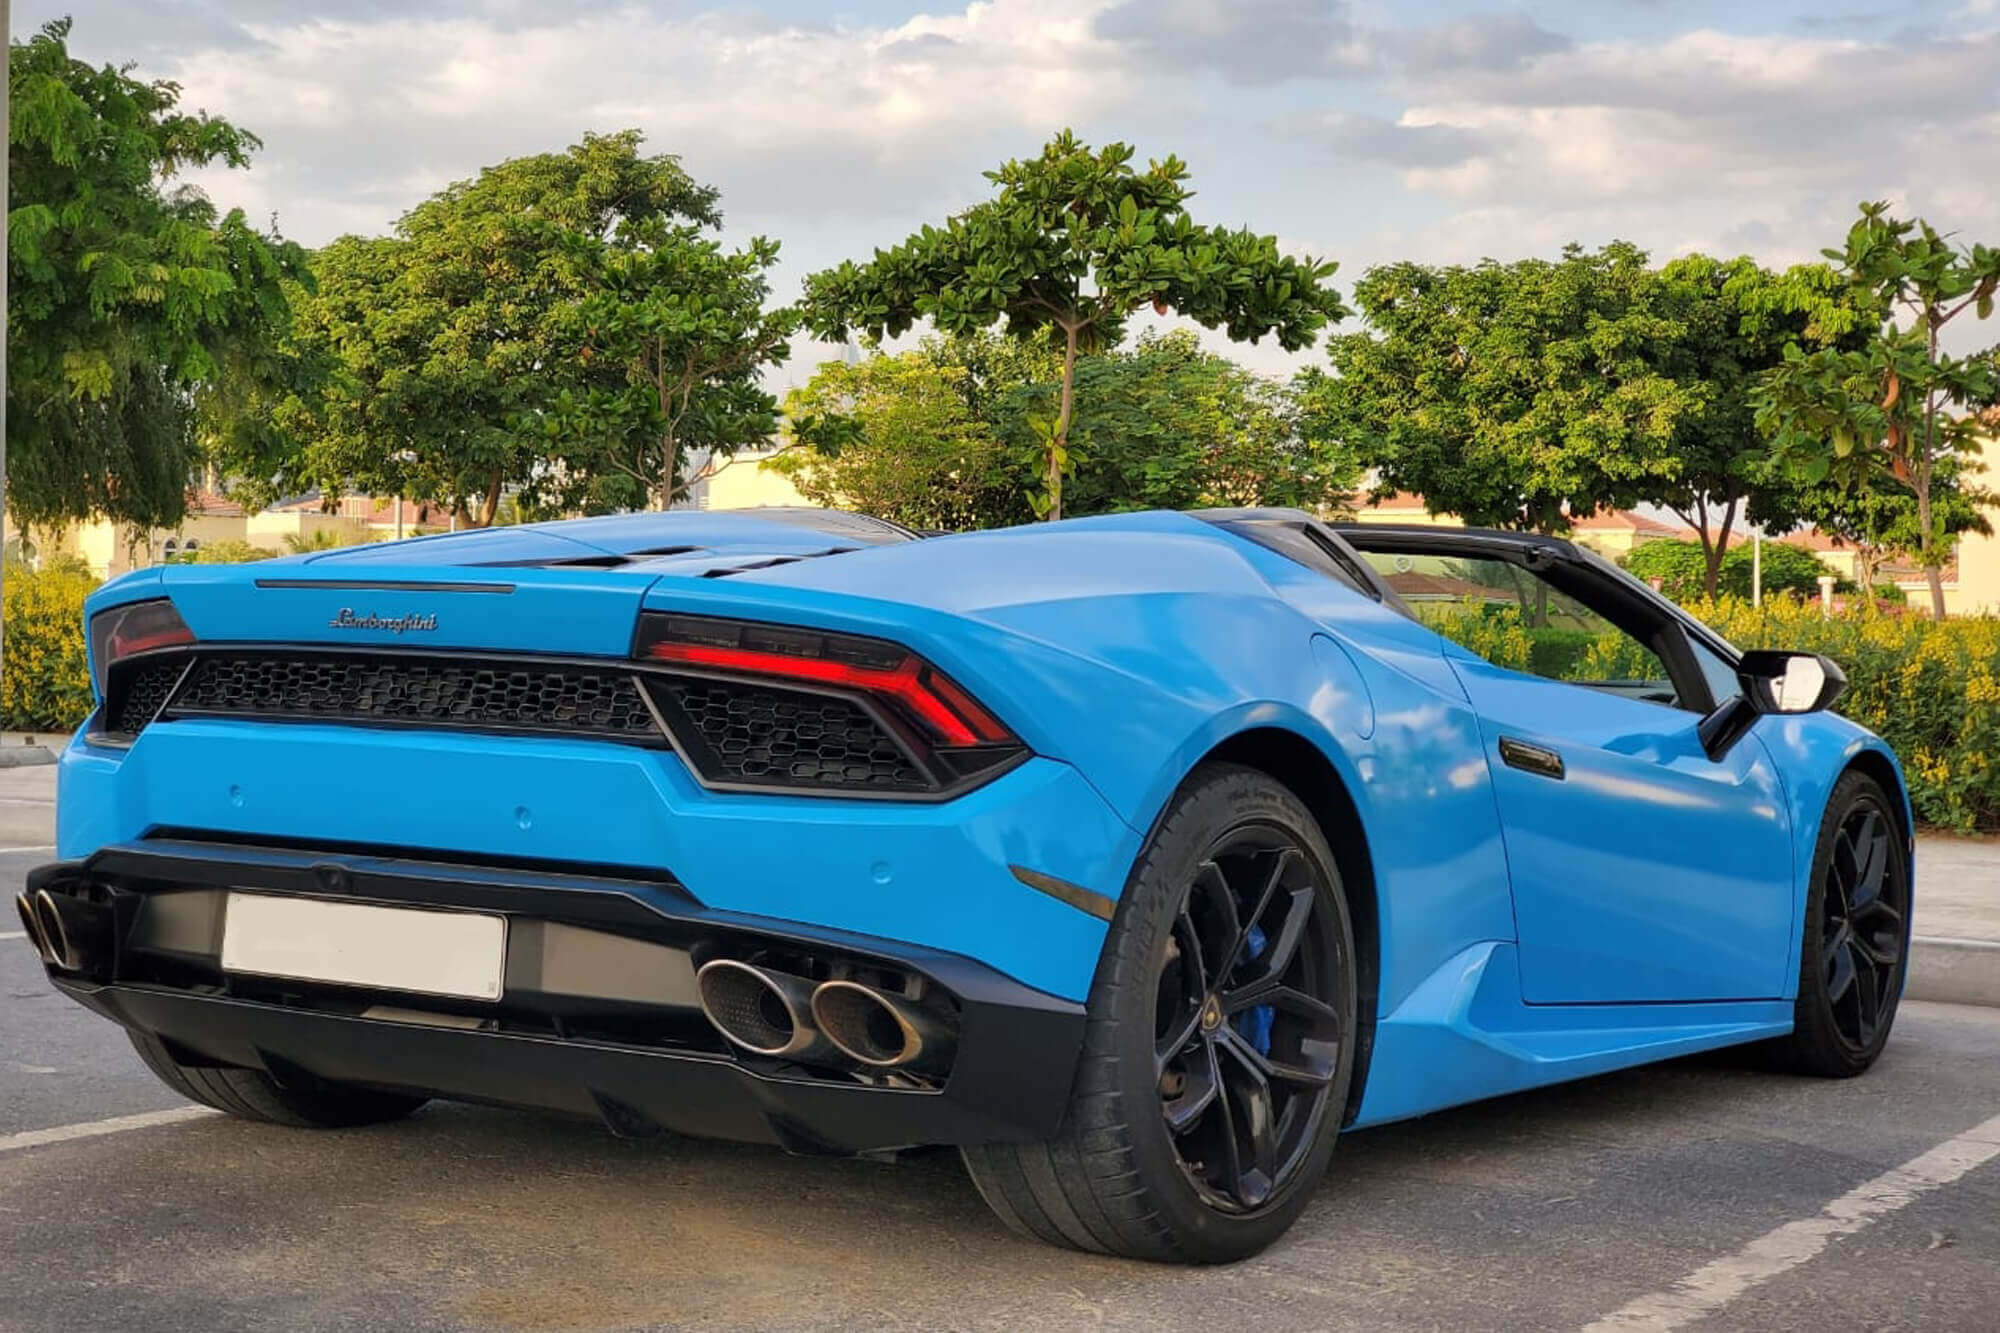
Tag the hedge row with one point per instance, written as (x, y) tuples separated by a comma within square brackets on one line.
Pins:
[(1929, 688)]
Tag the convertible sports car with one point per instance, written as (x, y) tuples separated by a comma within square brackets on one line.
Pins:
[(1136, 857)]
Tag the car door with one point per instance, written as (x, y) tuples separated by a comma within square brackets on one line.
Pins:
[(1643, 869)]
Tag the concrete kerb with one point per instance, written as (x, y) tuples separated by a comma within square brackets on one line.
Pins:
[(1953, 971)]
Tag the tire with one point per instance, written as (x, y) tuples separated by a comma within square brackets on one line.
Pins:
[(1856, 943), (254, 1095), (1117, 1179)]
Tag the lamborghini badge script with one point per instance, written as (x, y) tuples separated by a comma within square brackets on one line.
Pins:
[(346, 619)]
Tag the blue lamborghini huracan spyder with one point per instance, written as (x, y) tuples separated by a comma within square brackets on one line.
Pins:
[(1135, 856)]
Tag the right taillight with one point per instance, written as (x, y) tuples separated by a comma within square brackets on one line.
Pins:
[(764, 709), (129, 630)]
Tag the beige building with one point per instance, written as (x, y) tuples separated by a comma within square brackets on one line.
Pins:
[(110, 549), (743, 482)]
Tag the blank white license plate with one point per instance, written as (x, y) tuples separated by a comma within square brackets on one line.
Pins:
[(462, 954)]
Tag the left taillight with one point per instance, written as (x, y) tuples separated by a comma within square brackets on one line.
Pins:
[(129, 630), (950, 739)]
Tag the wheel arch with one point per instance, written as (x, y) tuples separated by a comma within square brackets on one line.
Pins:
[(1304, 769), (1882, 768)]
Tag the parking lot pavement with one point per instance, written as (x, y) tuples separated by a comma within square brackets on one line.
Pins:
[(1704, 1194)]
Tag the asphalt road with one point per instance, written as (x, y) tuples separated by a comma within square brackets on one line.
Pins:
[(1703, 1194)]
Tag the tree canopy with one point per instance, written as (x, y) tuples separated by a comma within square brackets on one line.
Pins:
[(943, 436), (1514, 395), (128, 295), (1897, 408), (447, 357), (1075, 241)]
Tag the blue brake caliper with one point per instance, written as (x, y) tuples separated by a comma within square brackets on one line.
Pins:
[(1254, 1025)]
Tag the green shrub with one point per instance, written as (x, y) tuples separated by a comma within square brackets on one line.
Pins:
[(1680, 568), (228, 552), (44, 681), (1558, 651)]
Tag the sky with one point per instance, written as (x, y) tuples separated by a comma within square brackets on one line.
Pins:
[(1361, 132)]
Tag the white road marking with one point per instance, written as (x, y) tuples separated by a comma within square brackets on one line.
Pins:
[(38, 847), (13, 934), (1710, 1288), (35, 1138)]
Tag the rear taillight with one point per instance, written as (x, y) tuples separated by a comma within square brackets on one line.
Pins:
[(948, 736), (134, 628)]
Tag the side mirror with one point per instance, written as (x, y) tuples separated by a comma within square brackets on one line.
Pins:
[(1773, 682), (1776, 682)]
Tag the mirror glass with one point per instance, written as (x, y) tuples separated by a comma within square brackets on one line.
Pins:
[(1799, 688)]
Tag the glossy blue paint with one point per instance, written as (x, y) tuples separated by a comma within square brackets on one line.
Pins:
[(1122, 650), (1465, 1034), (933, 875), (1648, 871)]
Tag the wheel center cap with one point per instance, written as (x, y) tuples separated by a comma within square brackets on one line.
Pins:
[(1211, 1015)]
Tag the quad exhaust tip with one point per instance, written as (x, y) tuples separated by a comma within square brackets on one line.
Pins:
[(878, 1029), (761, 1010), (52, 936), (31, 922)]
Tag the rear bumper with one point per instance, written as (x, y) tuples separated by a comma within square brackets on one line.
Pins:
[(933, 874), (598, 1019)]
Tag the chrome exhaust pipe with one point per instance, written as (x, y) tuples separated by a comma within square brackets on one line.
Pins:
[(54, 935), (32, 924), (76, 933), (761, 1010), (880, 1029)]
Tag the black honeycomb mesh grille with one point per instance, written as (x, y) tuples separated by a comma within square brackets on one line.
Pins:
[(141, 689), (493, 696), (754, 735)]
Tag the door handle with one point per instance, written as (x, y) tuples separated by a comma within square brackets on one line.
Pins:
[(1536, 759)]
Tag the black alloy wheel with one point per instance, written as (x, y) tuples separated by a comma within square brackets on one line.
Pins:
[(1856, 941), (1247, 1035), (1219, 1045), (1863, 910)]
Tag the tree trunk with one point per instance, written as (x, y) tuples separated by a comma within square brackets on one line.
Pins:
[(1059, 439), (670, 466), (489, 504), (1933, 574)]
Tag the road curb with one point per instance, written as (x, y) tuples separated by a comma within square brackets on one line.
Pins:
[(26, 756), (1954, 971)]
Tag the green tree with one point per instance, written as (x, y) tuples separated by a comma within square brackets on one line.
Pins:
[(911, 436), (437, 360), (129, 297), (1167, 425), (944, 435), (1730, 321), (1879, 520), (1898, 406), (685, 321), (1072, 245), (1517, 395)]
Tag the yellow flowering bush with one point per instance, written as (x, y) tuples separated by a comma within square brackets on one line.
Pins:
[(44, 681), (1929, 688)]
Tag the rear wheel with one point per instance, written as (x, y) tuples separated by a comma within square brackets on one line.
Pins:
[(1219, 1044), (1857, 934), (305, 1102)]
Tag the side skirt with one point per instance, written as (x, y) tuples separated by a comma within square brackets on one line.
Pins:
[(1464, 1034)]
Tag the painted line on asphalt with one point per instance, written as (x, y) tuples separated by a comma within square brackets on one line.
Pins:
[(36, 1138), (37, 847), (1710, 1288), (13, 934)]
